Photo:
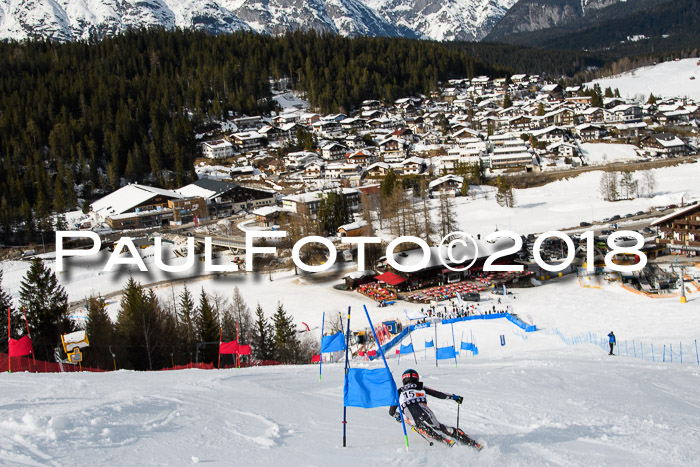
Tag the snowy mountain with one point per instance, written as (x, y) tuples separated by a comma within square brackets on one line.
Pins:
[(66, 20), (447, 20)]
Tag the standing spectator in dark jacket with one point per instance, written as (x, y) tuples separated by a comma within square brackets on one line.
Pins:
[(611, 339)]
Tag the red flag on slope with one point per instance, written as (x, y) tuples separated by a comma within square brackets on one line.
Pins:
[(20, 347), (228, 348)]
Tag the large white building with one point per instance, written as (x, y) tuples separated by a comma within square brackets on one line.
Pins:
[(218, 149)]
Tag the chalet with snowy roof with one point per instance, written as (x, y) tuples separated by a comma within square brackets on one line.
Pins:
[(563, 149), (371, 115), (560, 116), (520, 79), (248, 123), (625, 113), (508, 160), (370, 105), (378, 169), (392, 148), (312, 200), (552, 134), (272, 133), (593, 115), (333, 151), (343, 171), (665, 144), (413, 166), (680, 231), (218, 149), (353, 123), (309, 118), (520, 122), (466, 135), (354, 142), (267, 216), (676, 117), (552, 91), (589, 132), (248, 141), (286, 118), (223, 198), (299, 159), (243, 171), (314, 170), (132, 198), (327, 129), (354, 229), (360, 157), (451, 184), (611, 102), (581, 101)]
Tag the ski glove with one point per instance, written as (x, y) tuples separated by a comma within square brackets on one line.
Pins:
[(458, 399), (397, 416)]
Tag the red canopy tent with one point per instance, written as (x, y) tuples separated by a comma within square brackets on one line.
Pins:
[(391, 278)]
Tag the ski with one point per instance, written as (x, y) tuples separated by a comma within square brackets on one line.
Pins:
[(428, 438), (466, 440)]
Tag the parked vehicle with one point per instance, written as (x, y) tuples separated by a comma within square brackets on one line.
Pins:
[(471, 297)]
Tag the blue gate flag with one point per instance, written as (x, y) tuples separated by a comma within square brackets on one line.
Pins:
[(470, 346), (406, 349), (333, 343), (429, 344), (444, 353), (370, 388)]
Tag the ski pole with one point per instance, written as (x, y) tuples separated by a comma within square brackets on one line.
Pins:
[(458, 415)]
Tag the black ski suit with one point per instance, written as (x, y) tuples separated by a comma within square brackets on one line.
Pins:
[(415, 409)]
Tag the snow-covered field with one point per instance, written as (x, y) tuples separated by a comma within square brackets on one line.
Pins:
[(568, 202), (532, 402), (669, 79), (601, 153)]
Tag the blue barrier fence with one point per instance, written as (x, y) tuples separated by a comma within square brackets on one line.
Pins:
[(656, 352), (399, 337)]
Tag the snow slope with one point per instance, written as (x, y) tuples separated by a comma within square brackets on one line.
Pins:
[(669, 79), (601, 153), (544, 404), (566, 203)]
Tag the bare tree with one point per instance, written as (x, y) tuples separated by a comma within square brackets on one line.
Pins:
[(609, 187), (649, 182)]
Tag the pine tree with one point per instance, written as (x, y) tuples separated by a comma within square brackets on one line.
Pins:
[(209, 329), (652, 99), (286, 344), (388, 184), (139, 328), (186, 314), (100, 333), (15, 318), (262, 337), (46, 304), (507, 101)]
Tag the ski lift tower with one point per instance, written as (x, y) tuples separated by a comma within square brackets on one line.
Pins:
[(681, 267)]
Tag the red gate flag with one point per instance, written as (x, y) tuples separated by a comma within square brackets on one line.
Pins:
[(20, 347), (228, 348), (244, 350)]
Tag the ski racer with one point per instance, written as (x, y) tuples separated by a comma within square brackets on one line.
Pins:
[(412, 397)]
